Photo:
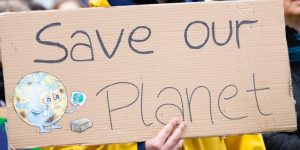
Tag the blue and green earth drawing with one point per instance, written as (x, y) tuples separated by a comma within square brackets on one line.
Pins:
[(40, 100)]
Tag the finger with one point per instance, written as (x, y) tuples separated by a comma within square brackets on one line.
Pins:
[(178, 146), (166, 131), (175, 136), (11, 147)]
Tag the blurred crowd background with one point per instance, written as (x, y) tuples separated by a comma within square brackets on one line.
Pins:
[(27, 5)]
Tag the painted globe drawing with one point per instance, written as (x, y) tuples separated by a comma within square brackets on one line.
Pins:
[(40, 100)]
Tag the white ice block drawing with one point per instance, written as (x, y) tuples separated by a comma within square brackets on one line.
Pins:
[(81, 124)]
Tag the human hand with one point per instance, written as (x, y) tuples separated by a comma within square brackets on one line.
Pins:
[(168, 138)]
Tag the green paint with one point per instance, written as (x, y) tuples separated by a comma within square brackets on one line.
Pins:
[(2, 120)]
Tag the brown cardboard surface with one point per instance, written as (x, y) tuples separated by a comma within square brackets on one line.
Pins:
[(218, 89), (3, 112)]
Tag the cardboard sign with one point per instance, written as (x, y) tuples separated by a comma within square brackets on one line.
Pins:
[(98, 76), (2, 112)]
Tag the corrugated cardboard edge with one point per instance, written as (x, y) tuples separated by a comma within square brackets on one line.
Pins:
[(294, 102), (286, 128), (3, 113), (1, 16)]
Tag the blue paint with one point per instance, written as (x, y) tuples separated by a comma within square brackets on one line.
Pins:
[(194, 0), (121, 2), (3, 136)]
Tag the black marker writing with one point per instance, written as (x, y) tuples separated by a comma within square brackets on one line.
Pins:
[(168, 104), (104, 47), (110, 109), (90, 46), (238, 26), (201, 44), (142, 115), (50, 43), (190, 101), (131, 39), (228, 98), (254, 90), (214, 34), (186, 35)]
